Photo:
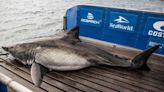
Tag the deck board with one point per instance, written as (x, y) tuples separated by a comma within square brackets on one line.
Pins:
[(132, 76), (88, 83), (96, 79), (21, 80), (123, 79)]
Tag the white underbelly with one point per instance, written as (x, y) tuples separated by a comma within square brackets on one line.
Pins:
[(66, 68), (61, 60)]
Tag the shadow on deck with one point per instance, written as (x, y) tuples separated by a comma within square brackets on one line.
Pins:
[(93, 79)]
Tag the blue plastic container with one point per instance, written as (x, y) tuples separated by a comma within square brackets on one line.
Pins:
[(3, 87), (136, 29)]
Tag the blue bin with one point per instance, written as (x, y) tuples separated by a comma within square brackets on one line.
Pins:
[(3, 87), (136, 29)]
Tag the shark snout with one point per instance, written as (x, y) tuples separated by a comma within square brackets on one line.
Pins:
[(10, 48), (5, 48)]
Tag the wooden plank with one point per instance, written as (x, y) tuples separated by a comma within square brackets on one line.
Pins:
[(157, 68), (157, 60), (71, 82), (21, 80), (95, 79), (120, 78), (60, 85), (88, 83), (102, 83), (146, 75), (26, 76), (124, 86), (133, 76)]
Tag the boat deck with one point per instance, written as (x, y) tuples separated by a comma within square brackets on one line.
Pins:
[(95, 79)]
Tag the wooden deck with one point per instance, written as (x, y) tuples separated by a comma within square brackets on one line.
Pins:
[(94, 79)]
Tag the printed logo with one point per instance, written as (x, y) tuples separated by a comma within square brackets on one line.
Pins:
[(155, 27), (90, 16), (158, 25), (156, 41), (90, 19), (151, 44), (121, 20)]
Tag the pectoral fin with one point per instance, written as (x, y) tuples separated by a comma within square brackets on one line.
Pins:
[(37, 72)]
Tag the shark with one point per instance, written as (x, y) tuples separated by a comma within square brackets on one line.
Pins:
[(68, 53)]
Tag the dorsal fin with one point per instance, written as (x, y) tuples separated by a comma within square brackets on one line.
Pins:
[(73, 34)]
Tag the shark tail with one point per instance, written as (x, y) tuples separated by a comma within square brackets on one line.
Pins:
[(140, 61)]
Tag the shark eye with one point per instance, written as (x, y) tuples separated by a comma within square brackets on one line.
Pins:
[(10, 48)]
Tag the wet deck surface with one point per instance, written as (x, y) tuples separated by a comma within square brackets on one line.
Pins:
[(94, 79)]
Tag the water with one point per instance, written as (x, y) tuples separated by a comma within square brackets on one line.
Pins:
[(27, 19)]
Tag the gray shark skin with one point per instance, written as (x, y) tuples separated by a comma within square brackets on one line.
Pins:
[(70, 53)]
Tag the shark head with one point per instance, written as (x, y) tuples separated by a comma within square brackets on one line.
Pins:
[(15, 49), (13, 52), (20, 52), (9, 49)]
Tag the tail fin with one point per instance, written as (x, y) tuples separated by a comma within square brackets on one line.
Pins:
[(140, 61)]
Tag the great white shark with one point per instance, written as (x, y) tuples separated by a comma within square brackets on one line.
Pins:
[(69, 53)]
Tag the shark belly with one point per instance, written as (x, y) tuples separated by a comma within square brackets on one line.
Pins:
[(61, 60)]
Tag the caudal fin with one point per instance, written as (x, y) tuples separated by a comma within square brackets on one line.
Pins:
[(140, 61)]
